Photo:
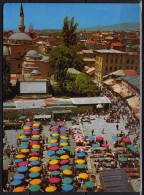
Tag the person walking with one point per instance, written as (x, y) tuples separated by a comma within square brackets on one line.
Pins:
[(103, 131), (92, 132), (117, 127)]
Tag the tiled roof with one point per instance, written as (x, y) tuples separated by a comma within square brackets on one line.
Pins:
[(117, 44), (130, 72)]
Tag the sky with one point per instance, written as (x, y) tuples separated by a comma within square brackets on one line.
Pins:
[(51, 15)]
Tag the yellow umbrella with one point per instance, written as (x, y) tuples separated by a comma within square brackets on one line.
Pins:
[(63, 144), (80, 161), (50, 189), (53, 162), (36, 146), (25, 150), (35, 182), (36, 124), (64, 157), (22, 136), (55, 134), (20, 156), (53, 141), (26, 128), (19, 189), (83, 175), (35, 169), (64, 137), (35, 136), (34, 158), (67, 172)]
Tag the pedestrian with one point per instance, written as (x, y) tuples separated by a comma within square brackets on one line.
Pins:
[(92, 132), (117, 127), (103, 131)]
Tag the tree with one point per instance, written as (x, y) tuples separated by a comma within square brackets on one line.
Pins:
[(69, 32), (60, 59), (81, 85)]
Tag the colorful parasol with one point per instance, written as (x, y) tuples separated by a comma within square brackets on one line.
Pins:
[(54, 180), (67, 172), (80, 161), (34, 158), (54, 148), (19, 189), (60, 152), (63, 157), (36, 146), (18, 176), (89, 184), (35, 182), (34, 188), (50, 152), (22, 169), (66, 180), (63, 162), (25, 150), (23, 163), (54, 167), (55, 172), (67, 188), (34, 174), (64, 144), (50, 189), (20, 156), (66, 167), (53, 162), (35, 169), (83, 175), (99, 138)]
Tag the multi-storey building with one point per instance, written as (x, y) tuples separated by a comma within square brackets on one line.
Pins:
[(111, 60)]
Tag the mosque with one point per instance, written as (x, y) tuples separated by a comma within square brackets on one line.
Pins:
[(27, 59)]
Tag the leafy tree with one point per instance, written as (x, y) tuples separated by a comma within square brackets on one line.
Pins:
[(69, 32)]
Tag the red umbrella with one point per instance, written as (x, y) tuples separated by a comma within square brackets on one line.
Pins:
[(127, 140), (54, 167), (79, 141), (23, 163), (34, 154), (64, 127), (35, 132), (80, 149), (105, 145), (54, 148), (63, 162), (63, 132), (33, 142), (54, 180), (99, 138), (29, 122)]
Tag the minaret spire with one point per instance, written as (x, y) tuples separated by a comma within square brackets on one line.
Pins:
[(21, 25)]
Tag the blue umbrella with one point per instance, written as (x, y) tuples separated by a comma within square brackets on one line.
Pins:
[(115, 137), (55, 172), (24, 143), (27, 132), (24, 146), (25, 139), (50, 152), (63, 140), (81, 154), (19, 176), (63, 129), (22, 169), (34, 138), (36, 129), (35, 162), (51, 122), (16, 182), (54, 144), (114, 107), (91, 138), (18, 160), (55, 127), (67, 188), (60, 152)]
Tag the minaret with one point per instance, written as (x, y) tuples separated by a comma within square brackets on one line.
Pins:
[(21, 25)]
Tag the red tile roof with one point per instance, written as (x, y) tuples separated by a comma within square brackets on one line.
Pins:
[(117, 44), (92, 42), (130, 72)]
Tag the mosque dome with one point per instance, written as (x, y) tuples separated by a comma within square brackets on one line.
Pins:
[(20, 36), (32, 53)]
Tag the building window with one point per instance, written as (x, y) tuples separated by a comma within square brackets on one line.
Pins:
[(127, 61), (18, 72), (127, 67), (115, 69), (120, 67), (121, 61), (131, 67), (132, 61), (116, 61), (111, 61), (18, 65), (110, 68), (106, 68), (107, 61), (136, 68)]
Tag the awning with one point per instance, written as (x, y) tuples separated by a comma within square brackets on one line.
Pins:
[(123, 95), (90, 100), (109, 82), (42, 116)]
